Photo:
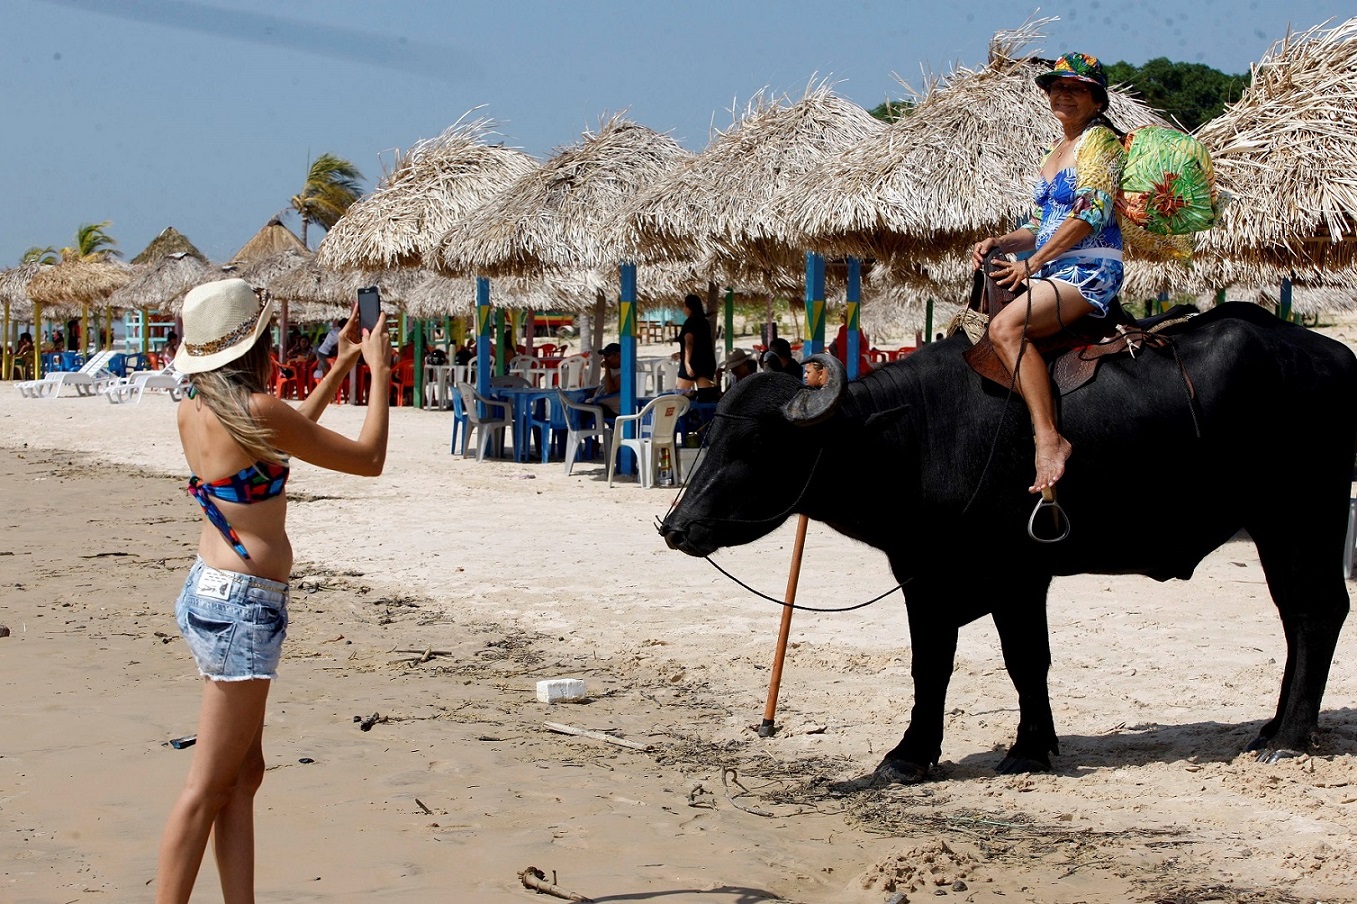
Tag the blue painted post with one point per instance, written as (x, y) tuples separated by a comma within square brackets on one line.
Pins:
[(1284, 300), (854, 303), (815, 304), (484, 347), (626, 334)]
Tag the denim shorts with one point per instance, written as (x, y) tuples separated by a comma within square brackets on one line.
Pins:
[(234, 623)]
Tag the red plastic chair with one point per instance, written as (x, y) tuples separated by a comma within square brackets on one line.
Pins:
[(286, 383), (402, 380)]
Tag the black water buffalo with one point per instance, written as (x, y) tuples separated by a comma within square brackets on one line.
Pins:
[(1245, 422)]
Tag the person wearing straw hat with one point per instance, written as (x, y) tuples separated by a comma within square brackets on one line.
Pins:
[(1075, 266), (232, 611), (740, 364)]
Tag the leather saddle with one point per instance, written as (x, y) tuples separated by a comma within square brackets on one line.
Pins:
[(1073, 354)]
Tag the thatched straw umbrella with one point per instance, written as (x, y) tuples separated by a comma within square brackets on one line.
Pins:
[(714, 208), (274, 238), (559, 216), (265, 271), (18, 307), (958, 167), (161, 286), (75, 282), (1286, 153), (169, 243), (433, 186)]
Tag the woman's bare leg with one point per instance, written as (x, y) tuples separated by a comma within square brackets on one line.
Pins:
[(227, 767), (1049, 309)]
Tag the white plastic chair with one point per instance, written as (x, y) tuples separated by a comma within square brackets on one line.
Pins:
[(489, 427), (666, 376), (570, 375), (584, 423), (656, 426)]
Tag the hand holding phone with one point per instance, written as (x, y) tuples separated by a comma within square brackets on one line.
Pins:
[(369, 306)]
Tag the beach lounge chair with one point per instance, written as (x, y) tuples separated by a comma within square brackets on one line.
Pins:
[(131, 388), (87, 381)]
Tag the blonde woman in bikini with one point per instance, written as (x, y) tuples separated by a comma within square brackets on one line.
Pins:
[(238, 440), (1075, 269)]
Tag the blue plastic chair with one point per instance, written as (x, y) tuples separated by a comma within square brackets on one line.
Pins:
[(459, 423), (549, 423)]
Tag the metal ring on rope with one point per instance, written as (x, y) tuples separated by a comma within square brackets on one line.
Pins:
[(1058, 516)]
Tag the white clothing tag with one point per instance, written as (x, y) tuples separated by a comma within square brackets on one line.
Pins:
[(214, 584)]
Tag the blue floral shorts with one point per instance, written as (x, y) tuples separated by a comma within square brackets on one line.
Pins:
[(1098, 279), (234, 623)]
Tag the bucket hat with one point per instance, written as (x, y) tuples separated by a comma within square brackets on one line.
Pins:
[(1078, 66), (737, 357), (222, 321)]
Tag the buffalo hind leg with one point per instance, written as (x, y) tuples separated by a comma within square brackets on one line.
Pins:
[(1021, 622), (933, 640), (1312, 600)]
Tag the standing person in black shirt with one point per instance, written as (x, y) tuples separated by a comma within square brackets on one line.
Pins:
[(697, 354)]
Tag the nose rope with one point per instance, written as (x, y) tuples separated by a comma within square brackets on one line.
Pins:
[(659, 526)]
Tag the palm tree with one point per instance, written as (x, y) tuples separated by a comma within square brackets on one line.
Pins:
[(92, 243), (331, 187), (40, 255)]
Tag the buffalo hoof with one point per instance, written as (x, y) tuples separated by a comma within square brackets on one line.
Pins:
[(1017, 764), (1273, 757), (900, 772)]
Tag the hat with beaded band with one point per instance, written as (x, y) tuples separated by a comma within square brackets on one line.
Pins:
[(222, 321)]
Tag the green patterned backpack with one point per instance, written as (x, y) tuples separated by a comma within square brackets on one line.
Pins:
[(1168, 186)]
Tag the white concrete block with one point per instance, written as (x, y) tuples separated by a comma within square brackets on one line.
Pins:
[(560, 690)]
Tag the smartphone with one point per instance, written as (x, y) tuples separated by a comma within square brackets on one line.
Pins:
[(369, 306)]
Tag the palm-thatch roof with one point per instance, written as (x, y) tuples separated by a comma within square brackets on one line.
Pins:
[(714, 208), (562, 215), (170, 242), (273, 239), (159, 286), (14, 287), (1286, 152), (433, 186), (75, 282), (265, 271), (958, 167)]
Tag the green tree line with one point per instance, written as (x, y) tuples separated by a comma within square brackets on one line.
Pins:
[(1190, 93)]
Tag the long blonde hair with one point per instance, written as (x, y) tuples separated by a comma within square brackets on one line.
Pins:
[(226, 392)]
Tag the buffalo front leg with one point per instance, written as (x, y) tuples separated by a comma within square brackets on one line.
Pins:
[(1021, 622), (933, 643)]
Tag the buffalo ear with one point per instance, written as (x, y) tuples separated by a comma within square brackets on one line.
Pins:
[(811, 406)]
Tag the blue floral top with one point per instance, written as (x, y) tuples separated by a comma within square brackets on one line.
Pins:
[(1085, 190)]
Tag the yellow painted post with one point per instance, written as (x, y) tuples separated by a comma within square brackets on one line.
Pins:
[(37, 341), (7, 353)]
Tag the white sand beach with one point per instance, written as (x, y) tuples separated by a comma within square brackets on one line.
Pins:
[(438, 595)]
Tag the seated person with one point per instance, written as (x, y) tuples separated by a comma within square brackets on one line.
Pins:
[(608, 396), (328, 348), (778, 359), (23, 358), (464, 354), (740, 364), (171, 343)]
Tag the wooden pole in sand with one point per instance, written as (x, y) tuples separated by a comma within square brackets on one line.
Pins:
[(767, 727)]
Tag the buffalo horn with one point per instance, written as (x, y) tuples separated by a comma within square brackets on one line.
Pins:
[(811, 406)]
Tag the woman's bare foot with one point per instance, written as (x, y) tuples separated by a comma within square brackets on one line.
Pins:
[(1051, 458)]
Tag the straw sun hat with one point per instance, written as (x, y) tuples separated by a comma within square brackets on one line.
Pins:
[(222, 321)]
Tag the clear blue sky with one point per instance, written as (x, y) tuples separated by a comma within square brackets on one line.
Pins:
[(203, 115)]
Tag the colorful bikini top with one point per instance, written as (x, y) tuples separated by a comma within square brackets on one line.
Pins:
[(261, 480)]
